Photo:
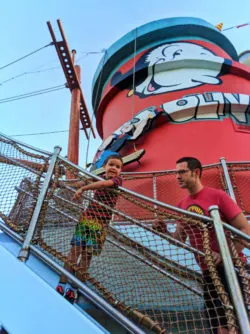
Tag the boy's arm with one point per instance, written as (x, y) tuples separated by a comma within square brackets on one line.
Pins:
[(75, 184), (94, 186)]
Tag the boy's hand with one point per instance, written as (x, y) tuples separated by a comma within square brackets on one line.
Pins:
[(77, 194)]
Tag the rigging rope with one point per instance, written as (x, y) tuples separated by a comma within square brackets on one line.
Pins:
[(38, 133), (29, 54), (28, 72), (97, 92), (34, 93), (238, 26), (133, 88)]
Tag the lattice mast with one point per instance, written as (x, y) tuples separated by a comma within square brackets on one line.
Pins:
[(78, 110)]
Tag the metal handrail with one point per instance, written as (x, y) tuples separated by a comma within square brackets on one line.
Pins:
[(26, 145), (84, 290), (167, 171), (140, 196), (233, 284), (23, 255)]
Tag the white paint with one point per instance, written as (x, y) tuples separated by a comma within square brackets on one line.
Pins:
[(174, 109), (239, 105), (161, 77), (208, 106)]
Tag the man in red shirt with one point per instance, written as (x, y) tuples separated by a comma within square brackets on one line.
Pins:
[(199, 199)]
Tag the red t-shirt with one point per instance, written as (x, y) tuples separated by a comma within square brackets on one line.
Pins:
[(199, 203)]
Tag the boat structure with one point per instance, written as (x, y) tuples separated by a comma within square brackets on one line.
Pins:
[(170, 88)]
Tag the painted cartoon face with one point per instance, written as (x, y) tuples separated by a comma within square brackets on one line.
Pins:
[(162, 61), (136, 121), (128, 131)]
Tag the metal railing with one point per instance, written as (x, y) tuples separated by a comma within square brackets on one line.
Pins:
[(37, 210)]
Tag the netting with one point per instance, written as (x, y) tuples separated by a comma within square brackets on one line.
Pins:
[(162, 186), (240, 178), (121, 248), (22, 171)]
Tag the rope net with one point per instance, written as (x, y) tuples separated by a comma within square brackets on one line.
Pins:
[(120, 247), (22, 172)]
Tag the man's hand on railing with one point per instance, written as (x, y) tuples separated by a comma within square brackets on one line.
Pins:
[(159, 226), (217, 258)]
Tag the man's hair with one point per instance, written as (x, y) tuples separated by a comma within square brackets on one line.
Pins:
[(192, 163), (113, 156)]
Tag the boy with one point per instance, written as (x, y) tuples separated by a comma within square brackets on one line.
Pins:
[(90, 232)]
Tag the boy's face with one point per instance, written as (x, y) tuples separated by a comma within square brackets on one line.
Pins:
[(113, 168)]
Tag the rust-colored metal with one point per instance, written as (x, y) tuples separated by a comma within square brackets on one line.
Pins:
[(73, 142), (70, 75)]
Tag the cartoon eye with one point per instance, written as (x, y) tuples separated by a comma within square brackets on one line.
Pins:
[(177, 53)]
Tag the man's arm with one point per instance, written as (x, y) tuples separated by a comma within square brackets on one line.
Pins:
[(240, 222)]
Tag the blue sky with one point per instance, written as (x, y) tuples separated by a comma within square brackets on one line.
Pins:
[(89, 26)]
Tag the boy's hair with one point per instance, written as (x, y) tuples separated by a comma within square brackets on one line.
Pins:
[(192, 163), (113, 156)]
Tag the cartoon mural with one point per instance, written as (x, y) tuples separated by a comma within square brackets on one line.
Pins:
[(129, 131), (161, 61), (189, 72)]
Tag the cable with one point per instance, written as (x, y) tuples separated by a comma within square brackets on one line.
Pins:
[(134, 72), (29, 72), (85, 54), (29, 54), (94, 106), (238, 26), (34, 93), (38, 133), (50, 68)]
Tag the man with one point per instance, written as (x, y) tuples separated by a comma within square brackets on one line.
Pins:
[(199, 199)]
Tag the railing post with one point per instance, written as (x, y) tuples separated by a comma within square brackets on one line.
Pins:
[(227, 179), (24, 252), (232, 280)]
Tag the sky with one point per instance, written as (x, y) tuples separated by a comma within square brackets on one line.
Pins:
[(90, 26)]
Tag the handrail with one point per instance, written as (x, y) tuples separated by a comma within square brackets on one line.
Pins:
[(88, 293), (231, 277), (33, 223), (140, 196), (26, 145), (140, 201), (167, 171)]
